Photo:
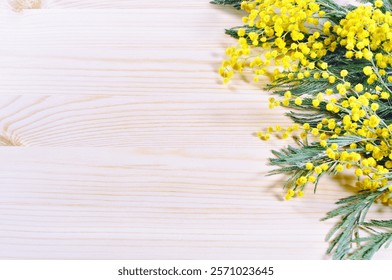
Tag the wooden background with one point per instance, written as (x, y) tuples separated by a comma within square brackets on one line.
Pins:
[(119, 141)]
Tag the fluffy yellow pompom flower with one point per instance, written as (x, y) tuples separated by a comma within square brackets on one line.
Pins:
[(367, 70), (378, 3), (343, 73)]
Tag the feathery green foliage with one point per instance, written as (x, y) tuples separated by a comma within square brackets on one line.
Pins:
[(234, 3)]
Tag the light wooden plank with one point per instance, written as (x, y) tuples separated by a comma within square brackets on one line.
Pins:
[(121, 52), (105, 4), (126, 4), (148, 203), (132, 4), (165, 120), (153, 203)]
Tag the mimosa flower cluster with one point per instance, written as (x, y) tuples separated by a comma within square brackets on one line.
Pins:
[(332, 66)]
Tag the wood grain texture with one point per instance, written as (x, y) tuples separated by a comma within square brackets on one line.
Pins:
[(120, 52), (165, 120), (120, 142), (153, 203)]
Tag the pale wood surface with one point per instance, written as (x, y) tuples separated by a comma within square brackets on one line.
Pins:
[(119, 140)]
